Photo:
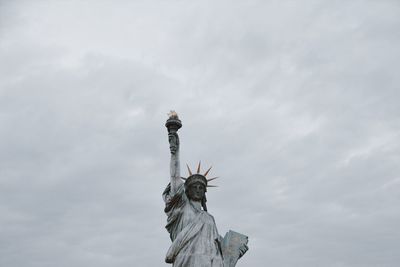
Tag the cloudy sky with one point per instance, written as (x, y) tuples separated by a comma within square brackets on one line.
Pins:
[(295, 104)]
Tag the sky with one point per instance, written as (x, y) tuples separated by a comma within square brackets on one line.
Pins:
[(295, 104)]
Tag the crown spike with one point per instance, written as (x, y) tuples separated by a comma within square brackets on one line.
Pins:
[(208, 180), (183, 178), (207, 171), (198, 167), (212, 185), (190, 172)]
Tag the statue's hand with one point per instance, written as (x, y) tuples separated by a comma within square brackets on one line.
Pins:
[(242, 250), (173, 139)]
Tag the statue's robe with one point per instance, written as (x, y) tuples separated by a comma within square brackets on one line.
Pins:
[(194, 235)]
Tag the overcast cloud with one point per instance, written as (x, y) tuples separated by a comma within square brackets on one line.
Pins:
[(295, 104)]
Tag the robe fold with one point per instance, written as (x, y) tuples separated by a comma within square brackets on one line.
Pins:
[(194, 234)]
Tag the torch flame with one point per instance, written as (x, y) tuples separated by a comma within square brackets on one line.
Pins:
[(173, 115)]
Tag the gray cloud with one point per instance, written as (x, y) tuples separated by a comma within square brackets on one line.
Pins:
[(294, 104)]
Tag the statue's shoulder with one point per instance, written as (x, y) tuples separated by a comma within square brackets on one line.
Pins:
[(176, 200)]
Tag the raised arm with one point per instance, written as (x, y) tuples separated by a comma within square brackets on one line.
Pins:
[(175, 172), (173, 124)]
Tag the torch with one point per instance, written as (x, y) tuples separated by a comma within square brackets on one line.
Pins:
[(173, 123)]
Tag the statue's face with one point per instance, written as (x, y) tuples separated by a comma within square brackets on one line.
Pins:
[(196, 191)]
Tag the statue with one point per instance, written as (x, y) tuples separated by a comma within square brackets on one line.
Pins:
[(193, 232)]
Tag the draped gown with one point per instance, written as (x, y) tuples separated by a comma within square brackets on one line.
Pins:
[(194, 234)]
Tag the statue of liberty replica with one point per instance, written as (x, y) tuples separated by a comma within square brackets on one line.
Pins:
[(193, 232)]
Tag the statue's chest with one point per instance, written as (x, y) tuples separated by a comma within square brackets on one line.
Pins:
[(190, 214)]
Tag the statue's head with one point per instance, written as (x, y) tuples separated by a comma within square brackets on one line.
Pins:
[(196, 187)]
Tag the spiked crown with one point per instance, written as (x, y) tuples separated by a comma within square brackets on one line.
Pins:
[(197, 177)]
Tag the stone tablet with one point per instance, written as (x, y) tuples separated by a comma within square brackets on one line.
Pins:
[(231, 245)]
